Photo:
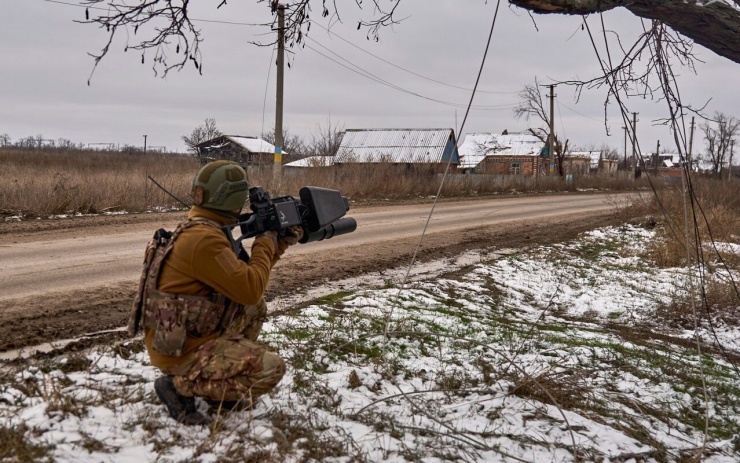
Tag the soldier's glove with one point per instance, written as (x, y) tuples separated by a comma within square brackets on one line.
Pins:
[(271, 236), (292, 235)]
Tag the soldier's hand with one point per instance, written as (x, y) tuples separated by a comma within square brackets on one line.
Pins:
[(292, 235), (271, 236)]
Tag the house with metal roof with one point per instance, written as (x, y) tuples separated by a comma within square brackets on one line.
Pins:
[(247, 151), (477, 146), (502, 154), (398, 146)]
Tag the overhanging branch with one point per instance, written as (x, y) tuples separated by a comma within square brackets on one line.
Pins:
[(712, 24)]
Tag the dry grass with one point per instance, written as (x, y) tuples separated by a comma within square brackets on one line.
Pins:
[(567, 389), (16, 448), (67, 182), (717, 211), (37, 183)]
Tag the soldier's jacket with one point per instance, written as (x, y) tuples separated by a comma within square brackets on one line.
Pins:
[(202, 262)]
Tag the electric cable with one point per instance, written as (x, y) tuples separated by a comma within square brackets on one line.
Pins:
[(441, 184), (562, 126), (580, 114), (267, 85), (403, 68), (361, 71)]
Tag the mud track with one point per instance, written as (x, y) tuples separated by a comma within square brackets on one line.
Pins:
[(26, 321)]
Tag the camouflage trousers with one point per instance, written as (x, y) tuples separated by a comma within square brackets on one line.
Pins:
[(232, 367)]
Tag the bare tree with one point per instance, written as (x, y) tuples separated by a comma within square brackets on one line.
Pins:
[(326, 140), (714, 24), (5, 140), (609, 152), (293, 145), (65, 143), (720, 135), (531, 106), (154, 26), (200, 134)]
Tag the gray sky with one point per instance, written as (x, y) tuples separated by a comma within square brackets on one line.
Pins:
[(45, 68)]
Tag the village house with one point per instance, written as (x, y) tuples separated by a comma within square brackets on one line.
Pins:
[(502, 154), (585, 162), (411, 149), (247, 151), (524, 154)]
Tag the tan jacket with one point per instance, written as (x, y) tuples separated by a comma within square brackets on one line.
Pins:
[(202, 262)]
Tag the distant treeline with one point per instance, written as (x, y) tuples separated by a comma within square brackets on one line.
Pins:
[(40, 143)]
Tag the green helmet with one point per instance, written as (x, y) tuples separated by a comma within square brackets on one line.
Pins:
[(220, 185)]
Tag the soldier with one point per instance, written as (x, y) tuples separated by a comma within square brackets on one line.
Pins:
[(202, 307)]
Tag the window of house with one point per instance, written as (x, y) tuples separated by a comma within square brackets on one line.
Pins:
[(515, 168)]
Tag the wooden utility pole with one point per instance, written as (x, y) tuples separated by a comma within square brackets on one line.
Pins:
[(625, 146), (634, 139), (691, 142), (552, 129), (656, 158), (146, 185), (278, 158), (732, 149)]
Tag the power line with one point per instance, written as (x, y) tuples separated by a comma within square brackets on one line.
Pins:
[(267, 85), (401, 67), (579, 113), (363, 72), (560, 116)]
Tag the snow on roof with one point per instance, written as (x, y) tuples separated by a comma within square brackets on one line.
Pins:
[(594, 156), (251, 144), (670, 158), (394, 145), (477, 146), (312, 161), (254, 144)]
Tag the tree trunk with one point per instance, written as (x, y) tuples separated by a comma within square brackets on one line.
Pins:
[(714, 25)]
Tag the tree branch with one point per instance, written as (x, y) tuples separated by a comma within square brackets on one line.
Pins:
[(712, 24)]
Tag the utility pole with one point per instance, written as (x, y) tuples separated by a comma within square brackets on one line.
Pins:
[(656, 158), (732, 149), (278, 158), (625, 147), (691, 142), (146, 176), (552, 128), (634, 139)]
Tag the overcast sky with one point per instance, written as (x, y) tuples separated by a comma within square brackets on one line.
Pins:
[(45, 68)]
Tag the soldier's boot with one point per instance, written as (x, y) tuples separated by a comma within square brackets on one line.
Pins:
[(181, 408)]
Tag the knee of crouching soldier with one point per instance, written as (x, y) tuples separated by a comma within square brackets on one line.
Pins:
[(274, 368), (262, 308)]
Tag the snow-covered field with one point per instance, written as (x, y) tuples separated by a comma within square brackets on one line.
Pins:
[(559, 353)]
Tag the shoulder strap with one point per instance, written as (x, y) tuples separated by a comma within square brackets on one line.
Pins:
[(159, 257)]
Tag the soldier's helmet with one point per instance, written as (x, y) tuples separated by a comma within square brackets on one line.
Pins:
[(220, 185)]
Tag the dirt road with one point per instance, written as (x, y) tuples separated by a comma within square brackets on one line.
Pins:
[(61, 278)]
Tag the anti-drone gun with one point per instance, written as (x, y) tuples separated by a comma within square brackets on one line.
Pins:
[(320, 213)]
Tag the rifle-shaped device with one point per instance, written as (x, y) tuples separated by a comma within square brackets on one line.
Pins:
[(320, 213)]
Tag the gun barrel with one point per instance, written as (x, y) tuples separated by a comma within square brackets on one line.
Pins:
[(339, 227)]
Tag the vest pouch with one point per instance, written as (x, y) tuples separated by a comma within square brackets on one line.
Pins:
[(168, 318), (203, 317)]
